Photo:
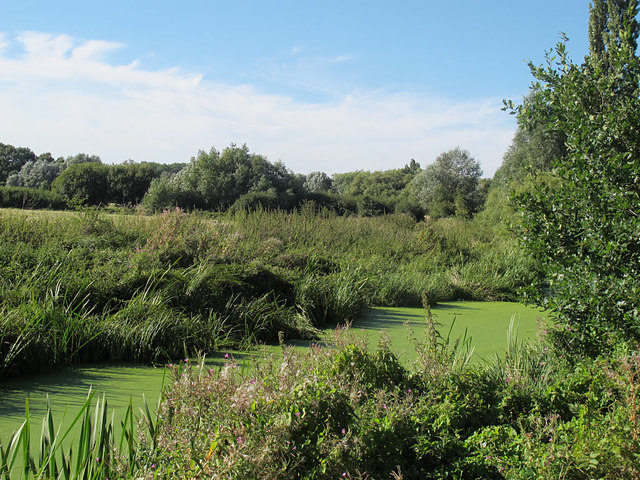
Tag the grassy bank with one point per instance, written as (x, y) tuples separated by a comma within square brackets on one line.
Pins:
[(91, 286), (347, 410)]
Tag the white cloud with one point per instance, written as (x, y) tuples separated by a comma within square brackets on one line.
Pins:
[(61, 95)]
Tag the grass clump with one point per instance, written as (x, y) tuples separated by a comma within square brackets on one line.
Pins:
[(100, 452)]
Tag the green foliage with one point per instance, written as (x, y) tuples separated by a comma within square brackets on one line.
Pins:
[(100, 453), (166, 192), (449, 185), (92, 286), (81, 158), (351, 411), (37, 174), (19, 197), (318, 182), (379, 192), (84, 183), (583, 228), (335, 298), (217, 180), (129, 182), (533, 150), (12, 159)]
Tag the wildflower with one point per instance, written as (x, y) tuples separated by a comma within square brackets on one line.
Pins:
[(226, 355), (344, 431)]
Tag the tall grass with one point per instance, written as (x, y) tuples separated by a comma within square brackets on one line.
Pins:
[(350, 411), (347, 410), (100, 453), (88, 285)]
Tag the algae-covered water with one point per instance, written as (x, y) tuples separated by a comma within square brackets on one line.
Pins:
[(485, 322)]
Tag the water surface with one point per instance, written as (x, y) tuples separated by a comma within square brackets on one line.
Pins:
[(485, 322)]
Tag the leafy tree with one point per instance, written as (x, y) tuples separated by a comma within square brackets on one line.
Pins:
[(533, 149), (216, 180), (449, 186), (384, 184), (612, 24), (128, 182), (81, 158), (318, 182), (37, 174), (84, 183), (584, 225), (12, 159), (166, 191), (379, 192), (412, 167)]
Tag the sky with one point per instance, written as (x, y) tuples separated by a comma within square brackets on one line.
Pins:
[(329, 86)]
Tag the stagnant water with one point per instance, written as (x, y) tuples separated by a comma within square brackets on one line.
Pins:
[(485, 322)]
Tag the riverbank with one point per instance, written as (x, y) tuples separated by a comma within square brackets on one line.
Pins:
[(484, 323), (84, 287)]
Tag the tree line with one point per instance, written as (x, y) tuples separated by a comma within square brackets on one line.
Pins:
[(236, 178)]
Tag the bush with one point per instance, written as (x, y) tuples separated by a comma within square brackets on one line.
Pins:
[(20, 197)]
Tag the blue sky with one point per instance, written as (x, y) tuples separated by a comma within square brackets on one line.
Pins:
[(332, 85)]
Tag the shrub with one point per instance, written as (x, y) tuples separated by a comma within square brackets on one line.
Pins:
[(20, 197)]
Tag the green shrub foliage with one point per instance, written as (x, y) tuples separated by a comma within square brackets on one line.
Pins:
[(583, 226)]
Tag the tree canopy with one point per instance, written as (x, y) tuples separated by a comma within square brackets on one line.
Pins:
[(12, 159), (216, 180), (449, 186), (84, 183), (584, 225)]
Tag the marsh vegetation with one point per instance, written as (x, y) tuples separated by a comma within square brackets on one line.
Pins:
[(276, 256)]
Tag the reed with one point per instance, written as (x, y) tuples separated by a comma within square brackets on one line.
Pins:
[(97, 286), (95, 451)]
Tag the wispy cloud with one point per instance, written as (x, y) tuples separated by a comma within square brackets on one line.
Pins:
[(62, 95)]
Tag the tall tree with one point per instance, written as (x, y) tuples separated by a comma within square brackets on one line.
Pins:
[(216, 180), (128, 182), (12, 159), (37, 174), (84, 183), (449, 185), (318, 182), (584, 225), (612, 25)]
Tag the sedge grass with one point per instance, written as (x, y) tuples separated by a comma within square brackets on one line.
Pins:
[(99, 452)]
